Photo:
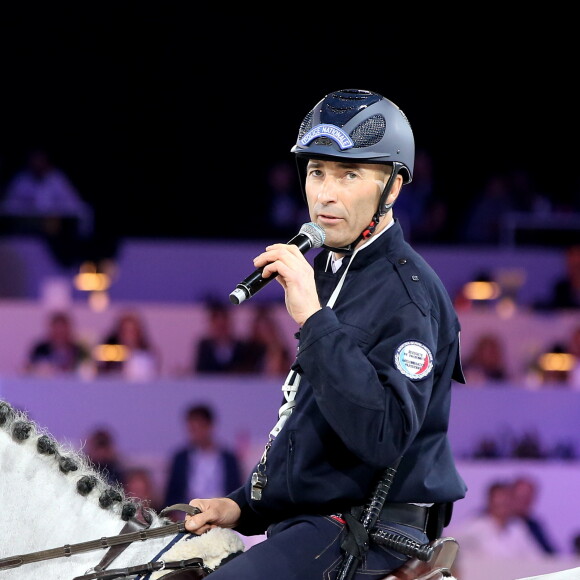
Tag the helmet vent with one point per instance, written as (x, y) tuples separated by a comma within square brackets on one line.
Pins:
[(369, 132)]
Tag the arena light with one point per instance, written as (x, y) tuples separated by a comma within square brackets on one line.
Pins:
[(556, 362), (93, 278), (92, 282), (481, 290), (110, 353)]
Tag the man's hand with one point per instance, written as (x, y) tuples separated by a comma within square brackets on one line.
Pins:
[(219, 512), (295, 275)]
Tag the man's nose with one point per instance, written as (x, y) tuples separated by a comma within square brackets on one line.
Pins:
[(328, 190)]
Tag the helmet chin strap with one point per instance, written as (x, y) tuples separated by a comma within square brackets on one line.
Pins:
[(382, 209)]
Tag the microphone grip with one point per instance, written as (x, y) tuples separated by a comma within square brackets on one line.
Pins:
[(249, 286), (310, 236)]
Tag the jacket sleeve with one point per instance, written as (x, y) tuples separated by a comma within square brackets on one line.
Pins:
[(375, 407), (250, 523)]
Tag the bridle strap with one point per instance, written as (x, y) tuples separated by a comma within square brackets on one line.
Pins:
[(195, 565), (114, 551), (191, 564), (71, 549), (120, 539)]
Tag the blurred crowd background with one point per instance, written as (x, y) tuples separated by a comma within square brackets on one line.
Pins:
[(142, 167)]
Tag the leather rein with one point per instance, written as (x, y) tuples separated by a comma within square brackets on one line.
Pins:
[(116, 545)]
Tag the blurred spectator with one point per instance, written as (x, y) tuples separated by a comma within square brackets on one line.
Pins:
[(528, 446), (576, 544), (101, 449), (484, 217), (60, 352), (128, 351), (40, 199), (422, 214), (496, 532), (574, 350), (526, 194), (203, 467), (219, 350), (265, 350), (287, 211), (522, 446), (487, 448), (138, 483), (486, 361), (566, 290), (525, 495)]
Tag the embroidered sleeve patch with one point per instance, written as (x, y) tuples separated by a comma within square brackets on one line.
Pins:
[(414, 360)]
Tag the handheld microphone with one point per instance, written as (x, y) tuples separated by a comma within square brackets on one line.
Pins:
[(311, 235)]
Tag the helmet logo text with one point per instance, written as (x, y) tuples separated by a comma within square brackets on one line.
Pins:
[(326, 130)]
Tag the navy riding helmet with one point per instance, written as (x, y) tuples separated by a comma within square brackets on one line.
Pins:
[(361, 125)]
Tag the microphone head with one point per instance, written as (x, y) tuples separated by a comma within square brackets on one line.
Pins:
[(315, 233)]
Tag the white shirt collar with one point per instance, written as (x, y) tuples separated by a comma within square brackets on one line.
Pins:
[(335, 263)]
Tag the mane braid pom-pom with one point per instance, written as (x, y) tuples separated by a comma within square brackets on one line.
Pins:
[(46, 446), (6, 413), (21, 430)]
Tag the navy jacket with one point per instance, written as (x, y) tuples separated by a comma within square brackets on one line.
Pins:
[(180, 470), (377, 371)]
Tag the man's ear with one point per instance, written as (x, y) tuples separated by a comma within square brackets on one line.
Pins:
[(395, 190)]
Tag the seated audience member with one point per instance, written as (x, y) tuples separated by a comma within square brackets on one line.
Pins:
[(60, 352), (574, 350), (127, 351), (525, 495), (286, 212), (565, 292), (138, 483), (265, 350), (496, 532), (484, 217), (101, 449), (219, 350), (423, 214), (576, 544), (487, 448), (528, 445), (203, 467), (41, 200), (486, 361)]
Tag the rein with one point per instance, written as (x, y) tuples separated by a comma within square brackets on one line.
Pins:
[(193, 565), (107, 542)]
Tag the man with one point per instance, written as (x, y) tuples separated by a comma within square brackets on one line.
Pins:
[(371, 384), (495, 534), (203, 467), (525, 495)]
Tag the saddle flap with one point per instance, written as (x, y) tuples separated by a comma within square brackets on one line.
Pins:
[(438, 567)]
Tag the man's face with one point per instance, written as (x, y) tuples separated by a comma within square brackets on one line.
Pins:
[(200, 430), (343, 197)]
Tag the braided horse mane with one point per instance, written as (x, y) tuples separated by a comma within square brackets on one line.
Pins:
[(52, 495), (87, 479)]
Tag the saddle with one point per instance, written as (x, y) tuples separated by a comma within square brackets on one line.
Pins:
[(438, 567)]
